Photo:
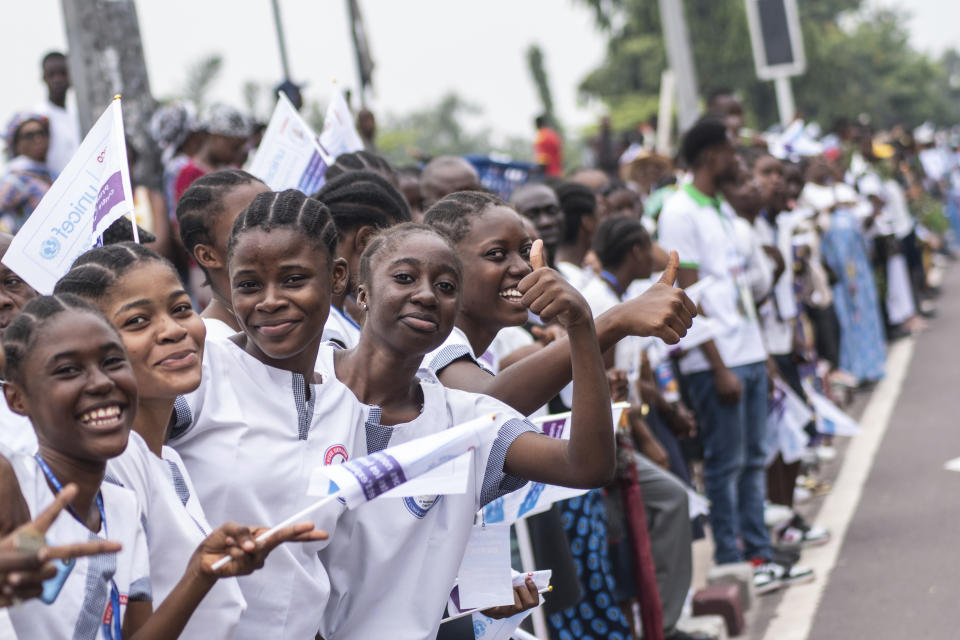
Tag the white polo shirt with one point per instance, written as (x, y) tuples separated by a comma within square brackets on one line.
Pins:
[(175, 525), (251, 442), (703, 232), (341, 329), (79, 608), (394, 561)]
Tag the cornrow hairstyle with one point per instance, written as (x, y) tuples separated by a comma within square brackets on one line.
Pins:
[(577, 201), (362, 161), (363, 198), (96, 271), (121, 231), (289, 209), (614, 239), (390, 239), (19, 336), (453, 214), (202, 202)]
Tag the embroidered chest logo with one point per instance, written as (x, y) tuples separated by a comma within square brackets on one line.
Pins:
[(335, 454)]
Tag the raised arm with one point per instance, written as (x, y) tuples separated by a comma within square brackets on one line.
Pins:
[(588, 459), (663, 311)]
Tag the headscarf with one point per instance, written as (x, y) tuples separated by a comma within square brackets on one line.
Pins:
[(13, 126), (222, 119), (171, 124)]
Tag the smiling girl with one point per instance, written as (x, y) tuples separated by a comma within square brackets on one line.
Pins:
[(264, 416), (411, 288), (143, 297), (67, 370)]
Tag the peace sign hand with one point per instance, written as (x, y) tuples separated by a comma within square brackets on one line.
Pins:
[(25, 558)]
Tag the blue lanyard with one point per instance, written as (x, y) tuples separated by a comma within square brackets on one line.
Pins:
[(114, 633), (612, 281)]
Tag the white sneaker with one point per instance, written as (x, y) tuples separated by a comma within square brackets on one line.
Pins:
[(775, 515), (799, 533), (768, 577)]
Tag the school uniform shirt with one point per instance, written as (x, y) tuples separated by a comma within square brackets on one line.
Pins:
[(703, 232), (394, 561), (175, 525), (217, 329), (16, 431), (779, 310), (84, 599), (455, 347), (574, 274), (627, 353), (251, 438), (341, 329)]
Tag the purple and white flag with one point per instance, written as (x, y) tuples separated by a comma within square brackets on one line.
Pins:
[(363, 479), (91, 193)]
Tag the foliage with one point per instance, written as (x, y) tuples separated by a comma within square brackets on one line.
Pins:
[(539, 75), (200, 77), (859, 61)]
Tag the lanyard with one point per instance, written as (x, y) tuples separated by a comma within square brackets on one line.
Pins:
[(612, 281), (110, 631)]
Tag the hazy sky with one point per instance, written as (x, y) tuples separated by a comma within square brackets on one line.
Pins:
[(422, 49)]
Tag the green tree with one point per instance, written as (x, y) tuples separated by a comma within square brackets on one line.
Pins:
[(858, 61), (434, 130), (539, 75), (200, 78)]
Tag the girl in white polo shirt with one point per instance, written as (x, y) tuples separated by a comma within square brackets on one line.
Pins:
[(67, 370), (142, 295), (265, 416), (392, 563)]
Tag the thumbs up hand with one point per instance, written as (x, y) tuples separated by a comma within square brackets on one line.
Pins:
[(662, 311), (547, 294)]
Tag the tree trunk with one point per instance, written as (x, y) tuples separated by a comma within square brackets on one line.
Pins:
[(106, 58)]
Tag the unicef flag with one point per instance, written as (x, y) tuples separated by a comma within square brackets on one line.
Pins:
[(363, 479), (91, 193)]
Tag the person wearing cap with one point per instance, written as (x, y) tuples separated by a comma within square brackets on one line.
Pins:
[(179, 134), (227, 131), (27, 177)]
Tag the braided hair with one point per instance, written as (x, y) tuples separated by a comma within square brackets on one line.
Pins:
[(390, 239), (202, 202), (19, 336), (289, 209), (363, 198), (453, 214), (96, 271), (614, 239), (362, 161), (577, 201)]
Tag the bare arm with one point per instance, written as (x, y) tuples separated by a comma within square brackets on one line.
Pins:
[(588, 459), (662, 311)]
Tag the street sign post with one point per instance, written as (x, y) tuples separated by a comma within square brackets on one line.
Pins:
[(777, 43)]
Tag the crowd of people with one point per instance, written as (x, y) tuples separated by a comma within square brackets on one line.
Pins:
[(176, 388)]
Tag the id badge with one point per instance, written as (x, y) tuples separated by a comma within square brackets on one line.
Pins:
[(485, 578)]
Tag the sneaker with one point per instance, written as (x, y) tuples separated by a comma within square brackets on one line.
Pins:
[(767, 576), (798, 532), (797, 575), (775, 515)]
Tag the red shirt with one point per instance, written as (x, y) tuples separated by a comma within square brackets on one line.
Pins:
[(548, 151), (190, 172)]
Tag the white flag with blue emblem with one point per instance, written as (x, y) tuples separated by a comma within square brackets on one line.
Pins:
[(831, 420), (91, 193), (290, 155), (362, 479), (536, 497)]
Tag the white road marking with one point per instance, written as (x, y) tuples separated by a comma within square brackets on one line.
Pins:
[(795, 613), (952, 465)]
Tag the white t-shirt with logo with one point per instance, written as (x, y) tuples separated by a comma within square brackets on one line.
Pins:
[(83, 601), (175, 525), (251, 441), (393, 561), (704, 235)]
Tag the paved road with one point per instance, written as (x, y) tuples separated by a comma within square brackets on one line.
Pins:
[(897, 573)]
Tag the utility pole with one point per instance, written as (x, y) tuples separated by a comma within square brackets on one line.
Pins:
[(106, 58), (281, 40), (680, 60)]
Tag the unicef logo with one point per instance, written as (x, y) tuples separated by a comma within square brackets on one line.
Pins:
[(50, 248)]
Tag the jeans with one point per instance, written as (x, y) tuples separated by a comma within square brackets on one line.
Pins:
[(734, 456)]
